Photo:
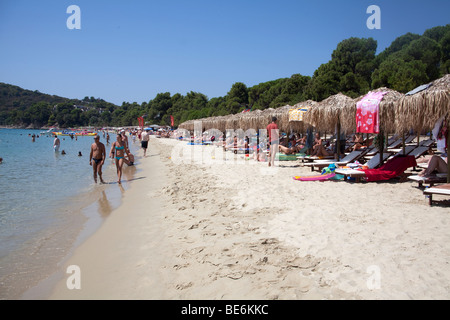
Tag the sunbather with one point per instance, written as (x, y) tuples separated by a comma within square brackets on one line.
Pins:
[(436, 164), (298, 146), (358, 141)]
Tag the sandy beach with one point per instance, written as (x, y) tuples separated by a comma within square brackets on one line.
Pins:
[(199, 224)]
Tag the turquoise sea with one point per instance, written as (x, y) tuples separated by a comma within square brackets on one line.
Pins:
[(46, 200)]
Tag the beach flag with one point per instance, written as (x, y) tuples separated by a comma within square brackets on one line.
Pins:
[(172, 122), (141, 122)]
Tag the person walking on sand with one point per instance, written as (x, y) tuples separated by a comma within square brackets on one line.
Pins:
[(144, 141), (272, 130), (56, 144), (118, 150), (97, 158)]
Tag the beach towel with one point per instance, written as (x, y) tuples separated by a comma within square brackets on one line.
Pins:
[(315, 178), (367, 113), (327, 173), (297, 114), (390, 169), (288, 157)]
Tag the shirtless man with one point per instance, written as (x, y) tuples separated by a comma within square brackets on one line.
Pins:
[(144, 141), (56, 144), (97, 158)]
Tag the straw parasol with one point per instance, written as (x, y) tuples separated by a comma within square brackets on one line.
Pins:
[(299, 126), (421, 111), (326, 115), (386, 111)]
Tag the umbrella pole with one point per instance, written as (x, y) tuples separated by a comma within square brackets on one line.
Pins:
[(381, 146), (403, 143), (448, 149), (338, 141)]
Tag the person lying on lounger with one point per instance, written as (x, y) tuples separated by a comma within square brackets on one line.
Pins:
[(298, 147), (436, 164)]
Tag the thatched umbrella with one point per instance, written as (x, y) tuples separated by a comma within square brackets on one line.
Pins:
[(297, 125), (423, 109), (327, 114), (251, 120), (386, 114), (386, 111)]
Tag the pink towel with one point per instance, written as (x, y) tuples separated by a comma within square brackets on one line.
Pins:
[(367, 113)]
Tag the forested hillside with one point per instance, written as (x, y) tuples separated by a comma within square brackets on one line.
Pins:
[(354, 69)]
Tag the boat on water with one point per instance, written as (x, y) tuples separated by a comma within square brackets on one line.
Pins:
[(75, 133), (49, 132)]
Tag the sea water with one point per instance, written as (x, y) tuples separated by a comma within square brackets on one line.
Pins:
[(42, 194)]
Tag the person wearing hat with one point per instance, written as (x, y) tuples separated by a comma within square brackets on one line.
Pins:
[(144, 141), (97, 158)]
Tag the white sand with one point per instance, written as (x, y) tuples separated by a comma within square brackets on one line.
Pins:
[(196, 226)]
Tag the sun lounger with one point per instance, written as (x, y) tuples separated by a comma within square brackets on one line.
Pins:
[(419, 151), (288, 157), (353, 156), (441, 190), (431, 180), (426, 143), (308, 158), (358, 173), (397, 143), (408, 150)]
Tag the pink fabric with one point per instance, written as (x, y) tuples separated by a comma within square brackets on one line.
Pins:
[(367, 113), (391, 169)]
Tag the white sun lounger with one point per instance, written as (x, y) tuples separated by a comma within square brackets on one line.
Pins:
[(440, 190), (438, 178), (353, 156)]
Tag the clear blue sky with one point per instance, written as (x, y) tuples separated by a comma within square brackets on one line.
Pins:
[(132, 50)]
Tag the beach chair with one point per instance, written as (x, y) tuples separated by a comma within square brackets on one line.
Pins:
[(441, 190), (431, 180), (408, 150), (419, 151), (309, 158), (426, 143), (353, 156), (358, 174), (397, 143)]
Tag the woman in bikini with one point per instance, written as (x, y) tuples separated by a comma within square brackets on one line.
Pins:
[(118, 150)]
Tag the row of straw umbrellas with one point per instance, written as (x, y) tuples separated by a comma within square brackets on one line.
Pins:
[(398, 113)]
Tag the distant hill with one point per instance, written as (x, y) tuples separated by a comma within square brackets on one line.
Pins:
[(12, 97), (26, 108)]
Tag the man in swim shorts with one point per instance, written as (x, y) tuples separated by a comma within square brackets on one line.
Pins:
[(144, 141), (97, 158)]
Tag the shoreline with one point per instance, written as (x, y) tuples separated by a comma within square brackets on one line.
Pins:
[(208, 230), (100, 253), (88, 210)]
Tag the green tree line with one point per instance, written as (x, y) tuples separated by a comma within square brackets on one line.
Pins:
[(354, 69)]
